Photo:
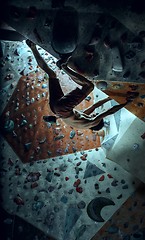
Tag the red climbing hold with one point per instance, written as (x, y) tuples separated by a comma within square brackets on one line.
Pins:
[(143, 136), (109, 176), (102, 178), (78, 164), (84, 157), (77, 183), (79, 189), (66, 178), (18, 200)]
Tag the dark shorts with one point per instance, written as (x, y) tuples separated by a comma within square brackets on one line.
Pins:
[(62, 105)]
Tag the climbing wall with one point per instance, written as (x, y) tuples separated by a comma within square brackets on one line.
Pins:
[(128, 222), (58, 192), (32, 138)]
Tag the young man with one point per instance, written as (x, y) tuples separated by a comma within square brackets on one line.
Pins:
[(63, 106)]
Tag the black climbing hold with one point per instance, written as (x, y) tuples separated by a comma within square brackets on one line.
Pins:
[(137, 43), (142, 34), (123, 37), (95, 206), (107, 42), (130, 55), (140, 104), (126, 74), (27, 146), (119, 197), (81, 205), (96, 186), (142, 64), (96, 73), (142, 74)]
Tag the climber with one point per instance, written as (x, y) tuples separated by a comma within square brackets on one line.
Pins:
[(63, 106)]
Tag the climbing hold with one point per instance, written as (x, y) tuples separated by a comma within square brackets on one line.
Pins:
[(123, 37), (142, 64), (122, 181), (140, 104), (77, 183), (64, 199), (119, 197), (79, 189), (33, 176), (72, 134), (9, 126), (23, 123), (96, 73), (130, 55), (137, 44), (44, 85), (84, 157), (142, 34), (116, 60), (73, 213), (10, 162), (109, 176), (80, 231), (66, 178), (95, 206), (8, 221), (27, 146), (133, 87), (126, 74), (142, 75), (48, 22), (96, 186), (108, 190), (59, 137), (143, 136), (18, 200), (78, 164), (43, 140), (92, 170), (102, 85), (81, 204), (37, 205), (34, 185), (135, 146), (114, 183), (49, 176), (88, 98), (107, 42), (102, 178), (70, 191), (113, 229), (125, 186), (51, 188)]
